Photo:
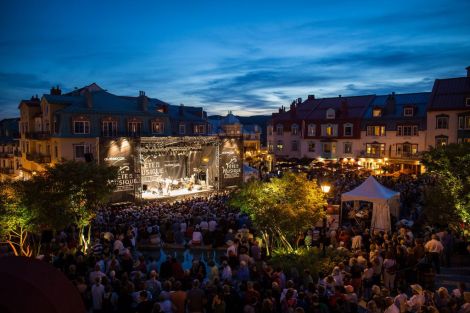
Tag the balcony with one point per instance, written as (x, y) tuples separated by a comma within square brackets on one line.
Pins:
[(38, 135), (38, 158), (405, 155), (5, 170)]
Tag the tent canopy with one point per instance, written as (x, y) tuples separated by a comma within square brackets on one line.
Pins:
[(385, 201), (370, 190)]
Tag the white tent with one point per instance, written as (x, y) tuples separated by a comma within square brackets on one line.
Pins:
[(249, 173), (385, 201)]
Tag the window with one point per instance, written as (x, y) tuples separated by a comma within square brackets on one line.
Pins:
[(279, 130), (80, 150), (48, 150), (375, 149), (270, 146), (375, 130), (157, 127), (442, 122), (200, 129), (270, 130), (329, 147), (441, 141), (182, 129), (348, 147), (81, 127), (348, 129), (464, 122), (294, 129), (311, 129), (295, 145), (109, 128), (56, 152), (329, 130), (408, 111), (134, 128), (406, 149), (330, 114), (377, 112), (407, 130), (311, 146), (279, 146), (467, 102)]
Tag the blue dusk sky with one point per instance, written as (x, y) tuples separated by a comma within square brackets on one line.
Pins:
[(247, 56)]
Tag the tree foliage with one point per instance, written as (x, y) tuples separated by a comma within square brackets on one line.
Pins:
[(68, 193), (447, 198), (282, 207), (16, 221)]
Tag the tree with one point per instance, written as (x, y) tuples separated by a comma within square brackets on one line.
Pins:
[(69, 193), (282, 207), (16, 221), (447, 197)]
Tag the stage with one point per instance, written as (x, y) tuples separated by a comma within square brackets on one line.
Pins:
[(152, 194)]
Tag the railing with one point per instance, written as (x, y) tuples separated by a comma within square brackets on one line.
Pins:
[(6, 170), (38, 135), (38, 158), (405, 155)]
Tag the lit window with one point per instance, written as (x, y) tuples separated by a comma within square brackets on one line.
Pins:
[(348, 147), (377, 112), (279, 146), (81, 127), (408, 111), (441, 141), (201, 129), (375, 149), (376, 130), (157, 127), (464, 122)]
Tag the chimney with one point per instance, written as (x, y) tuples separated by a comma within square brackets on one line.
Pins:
[(143, 101), (55, 91), (468, 71), (299, 100), (88, 99), (311, 97), (390, 104)]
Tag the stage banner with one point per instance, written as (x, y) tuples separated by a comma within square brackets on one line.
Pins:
[(230, 162), (120, 153)]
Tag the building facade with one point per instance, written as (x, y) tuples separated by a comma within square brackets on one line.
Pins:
[(10, 154), (448, 111), (69, 126)]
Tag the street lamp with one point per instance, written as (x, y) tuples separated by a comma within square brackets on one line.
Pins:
[(325, 188)]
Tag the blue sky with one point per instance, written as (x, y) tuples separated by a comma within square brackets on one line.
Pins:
[(247, 56)]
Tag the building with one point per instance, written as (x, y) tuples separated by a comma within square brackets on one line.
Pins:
[(328, 128), (448, 111), (394, 131), (230, 126), (69, 126), (10, 155)]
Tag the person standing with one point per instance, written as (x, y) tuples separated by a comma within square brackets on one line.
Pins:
[(195, 299), (434, 247), (97, 294)]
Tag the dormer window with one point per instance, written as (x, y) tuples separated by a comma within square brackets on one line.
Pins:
[(330, 114), (408, 111), (279, 129), (377, 112)]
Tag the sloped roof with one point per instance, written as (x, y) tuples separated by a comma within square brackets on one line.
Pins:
[(450, 94), (370, 190)]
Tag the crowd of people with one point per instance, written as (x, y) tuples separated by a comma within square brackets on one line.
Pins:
[(381, 272)]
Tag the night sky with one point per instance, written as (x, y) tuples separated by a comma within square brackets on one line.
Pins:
[(247, 56)]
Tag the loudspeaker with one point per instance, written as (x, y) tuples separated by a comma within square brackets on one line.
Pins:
[(89, 157), (144, 187)]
